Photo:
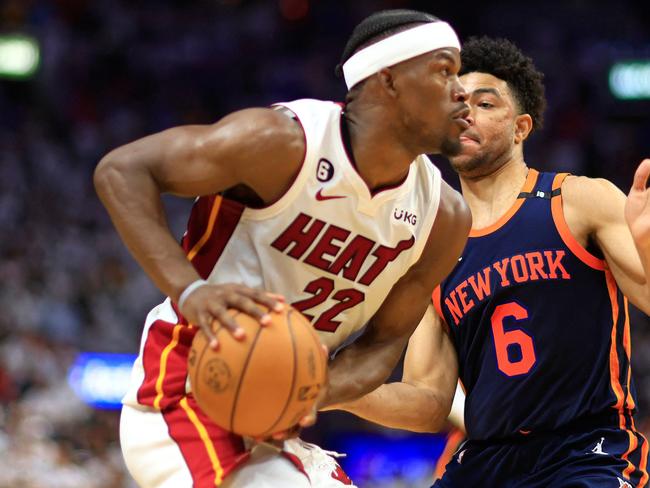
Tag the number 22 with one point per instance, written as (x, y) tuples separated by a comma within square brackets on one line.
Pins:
[(321, 289)]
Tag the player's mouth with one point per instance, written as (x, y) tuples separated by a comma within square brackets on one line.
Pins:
[(462, 122), (460, 117), (468, 138)]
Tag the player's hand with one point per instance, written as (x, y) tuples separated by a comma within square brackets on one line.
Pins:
[(637, 206), (210, 303)]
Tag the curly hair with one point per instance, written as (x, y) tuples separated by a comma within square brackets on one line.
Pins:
[(501, 58), (378, 26)]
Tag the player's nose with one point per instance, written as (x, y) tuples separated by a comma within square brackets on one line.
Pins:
[(458, 92)]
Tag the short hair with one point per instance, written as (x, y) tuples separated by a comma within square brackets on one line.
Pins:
[(501, 58), (378, 26)]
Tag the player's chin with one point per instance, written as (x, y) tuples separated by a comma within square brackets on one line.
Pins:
[(450, 147)]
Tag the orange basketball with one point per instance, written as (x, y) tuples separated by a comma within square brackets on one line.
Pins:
[(263, 384)]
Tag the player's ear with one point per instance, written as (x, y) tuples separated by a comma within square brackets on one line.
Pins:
[(386, 79), (523, 126)]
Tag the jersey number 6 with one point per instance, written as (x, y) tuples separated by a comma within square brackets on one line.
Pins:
[(504, 339)]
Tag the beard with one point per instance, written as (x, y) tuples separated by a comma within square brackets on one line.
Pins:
[(476, 166), (450, 147)]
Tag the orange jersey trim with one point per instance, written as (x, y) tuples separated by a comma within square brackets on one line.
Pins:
[(565, 233), (454, 439), (627, 345), (531, 179), (643, 467), (207, 442), (614, 369), (208, 231), (163, 365), (435, 299)]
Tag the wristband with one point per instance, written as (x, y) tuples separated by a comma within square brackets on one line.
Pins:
[(188, 291)]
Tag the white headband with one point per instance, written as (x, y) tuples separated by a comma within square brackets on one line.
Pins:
[(397, 48)]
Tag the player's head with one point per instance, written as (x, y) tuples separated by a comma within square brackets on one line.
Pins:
[(407, 62), (507, 101)]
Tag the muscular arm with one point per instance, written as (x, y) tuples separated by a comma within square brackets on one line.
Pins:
[(191, 161), (422, 401), (595, 209), (364, 365)]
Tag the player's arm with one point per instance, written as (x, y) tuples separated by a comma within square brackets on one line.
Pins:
[(422, 401), (620, 227), (259, 148), (366, 364)]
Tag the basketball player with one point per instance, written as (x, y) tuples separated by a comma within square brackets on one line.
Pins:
[(535, 313), (326, 206)]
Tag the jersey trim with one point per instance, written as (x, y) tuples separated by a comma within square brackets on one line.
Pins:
[(452, 443), (627, 345), (614, 372), (163, 365), (203, 434), (565, 233), (435, 299), (214, 211), (644, 462), (529, 184), (219, 216)]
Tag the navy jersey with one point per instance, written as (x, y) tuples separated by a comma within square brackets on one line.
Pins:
[(539, 324)]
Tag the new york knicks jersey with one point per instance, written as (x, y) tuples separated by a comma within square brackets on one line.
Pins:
[(329, 245), (540, 326)]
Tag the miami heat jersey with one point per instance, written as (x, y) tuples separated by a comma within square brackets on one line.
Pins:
[(329, 245), (540, 327)]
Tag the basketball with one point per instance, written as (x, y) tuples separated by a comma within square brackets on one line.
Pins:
[(263, 384)]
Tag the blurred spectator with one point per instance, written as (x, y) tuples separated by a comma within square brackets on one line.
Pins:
[(113, 71)]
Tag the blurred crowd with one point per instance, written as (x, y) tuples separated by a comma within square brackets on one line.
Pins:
[(113, 70)]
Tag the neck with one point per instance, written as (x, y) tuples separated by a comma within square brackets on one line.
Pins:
[(381, 158), (490, 196)]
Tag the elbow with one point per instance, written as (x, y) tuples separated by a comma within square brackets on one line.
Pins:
[(116, 175), (105, 174), (437, 419), (433, 410)]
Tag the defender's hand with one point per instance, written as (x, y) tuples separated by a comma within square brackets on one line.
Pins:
[(210, 303), (637, 206)]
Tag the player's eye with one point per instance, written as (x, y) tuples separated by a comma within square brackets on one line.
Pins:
[(485, 105)]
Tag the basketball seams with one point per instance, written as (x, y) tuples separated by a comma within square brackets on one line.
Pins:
[(293, 378), (241, 379)]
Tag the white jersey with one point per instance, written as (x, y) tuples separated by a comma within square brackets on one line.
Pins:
[(329, 245)]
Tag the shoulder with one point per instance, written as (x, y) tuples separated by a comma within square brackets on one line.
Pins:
[(453, 209), (261, 147), (593, 200), (451, 226), (265, 124)]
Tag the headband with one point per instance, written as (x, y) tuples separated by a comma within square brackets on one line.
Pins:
[(397, 48)]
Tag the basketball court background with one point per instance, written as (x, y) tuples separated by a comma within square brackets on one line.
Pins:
[(80, 77)]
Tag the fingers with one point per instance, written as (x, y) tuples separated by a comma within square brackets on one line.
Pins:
[(641, 175), (225, 319), (248, 300), (206, 327), (211, 303)]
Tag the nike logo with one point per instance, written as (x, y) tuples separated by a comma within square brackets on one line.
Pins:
[(320, 197)]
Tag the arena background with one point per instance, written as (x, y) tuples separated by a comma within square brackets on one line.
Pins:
[(84, 76)]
